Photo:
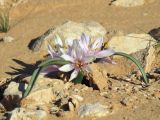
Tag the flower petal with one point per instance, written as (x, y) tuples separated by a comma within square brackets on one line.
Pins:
[(58, 41), (51, 51), (66, 68), (84, 42), (67, 57), (107, 61), (50, 69), (104, 53), (74, 75), (97, 44)]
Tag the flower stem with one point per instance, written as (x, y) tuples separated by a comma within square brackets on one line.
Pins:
[(145, 80)]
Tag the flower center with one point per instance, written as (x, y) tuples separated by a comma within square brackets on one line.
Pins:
[(78, 64)]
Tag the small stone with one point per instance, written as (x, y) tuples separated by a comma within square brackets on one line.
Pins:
[(71, 106), (54, 110), (27, 114), (98, 77), (106, 94), (75, 102), (95, 110), (157, 94), (130, 3), (128, 100), (7, 39), (79, 98)]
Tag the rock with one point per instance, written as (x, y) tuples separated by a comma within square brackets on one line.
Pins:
[(12, 95), (7, 39), (131, 43), (14, 89), (94, 110), (1, 2), (71, 106), (150, 58), (157, 94), (98, 78), (130, 3), (139, 45), (79, 98), (70, 30), (129, 100), (44, 91), (27, 114)]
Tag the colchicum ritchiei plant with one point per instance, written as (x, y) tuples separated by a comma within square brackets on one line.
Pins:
[(75, 57)]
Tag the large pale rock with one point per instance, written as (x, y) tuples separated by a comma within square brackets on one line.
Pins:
[(27, 114), (44, 91), (70, 29), (131, 43), (94, 110), (138, 44), (130, 3), (151, 57)]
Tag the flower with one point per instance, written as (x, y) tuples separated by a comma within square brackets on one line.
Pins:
[(79, 54), (94, 49), (78, 60)]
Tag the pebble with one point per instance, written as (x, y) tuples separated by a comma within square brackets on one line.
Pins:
[(7, 39), (95, 110), (79, 98), (71, 106)]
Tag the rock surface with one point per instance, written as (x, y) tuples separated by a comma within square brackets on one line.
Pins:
[(43, 92), (130, 3), (27, 114), (98, 77), (131, 43), (95, 109), (69, 30)]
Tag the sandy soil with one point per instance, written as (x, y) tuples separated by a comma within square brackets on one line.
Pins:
[(31, 19)]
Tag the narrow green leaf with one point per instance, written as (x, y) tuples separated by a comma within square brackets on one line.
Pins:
[(136, 62), (53, 61), (37, 72), (79, 78), (32, 81)]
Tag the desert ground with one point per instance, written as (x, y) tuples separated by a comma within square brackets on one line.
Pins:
[(30, 19)]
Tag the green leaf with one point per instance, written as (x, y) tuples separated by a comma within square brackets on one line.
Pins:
[(53, 61), (145, 80), (37, 72), (32, 81), (79, 78)]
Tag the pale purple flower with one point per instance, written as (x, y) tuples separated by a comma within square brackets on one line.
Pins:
[(94, 49), (78, 60), (79, 54)]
